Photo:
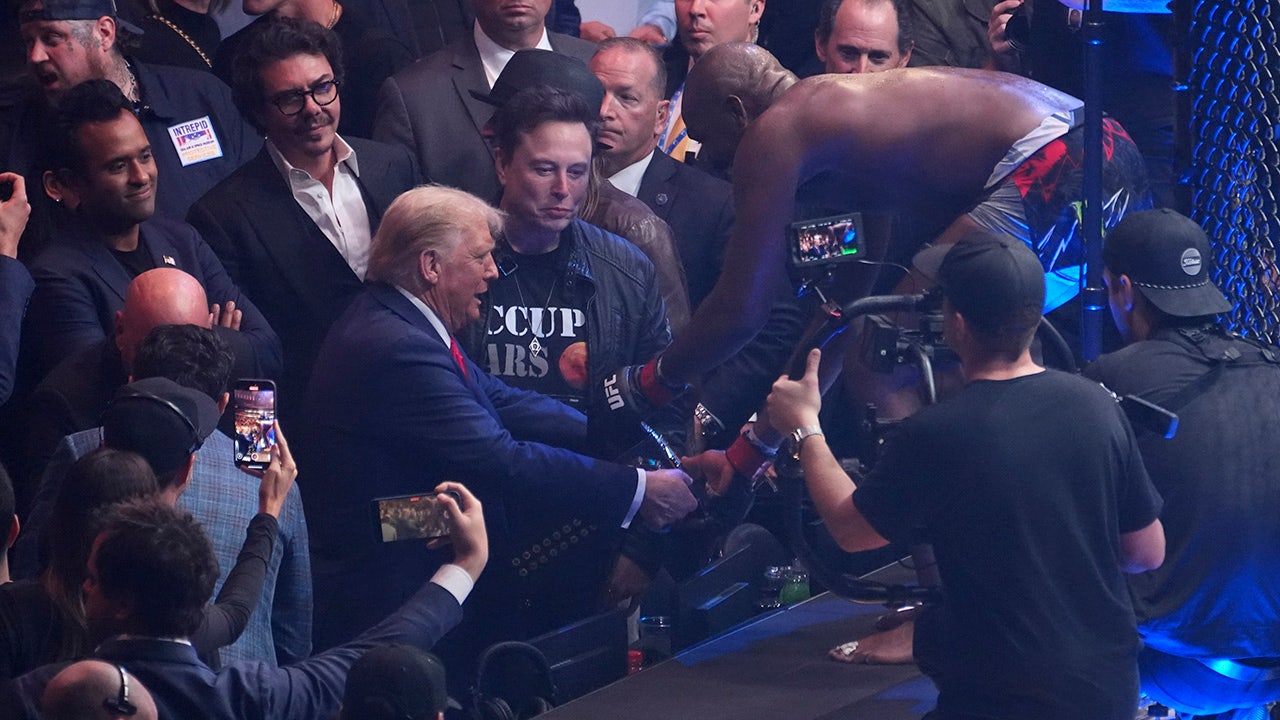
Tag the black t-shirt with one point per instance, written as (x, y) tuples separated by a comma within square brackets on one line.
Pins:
[(136, 261), (1218, 592), (537, 332), (1023, 487)]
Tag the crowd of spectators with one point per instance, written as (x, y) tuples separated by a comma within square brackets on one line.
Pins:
[(466, 242)]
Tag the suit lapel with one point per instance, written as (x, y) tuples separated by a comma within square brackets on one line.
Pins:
[(104, 264), (657, 180), (302, 253), (468, 75)]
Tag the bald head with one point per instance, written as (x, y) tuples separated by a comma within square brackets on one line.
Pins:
[(164, 296), (731, 86), (92, 690)]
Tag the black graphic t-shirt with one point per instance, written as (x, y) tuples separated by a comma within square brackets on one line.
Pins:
[(537, 336)]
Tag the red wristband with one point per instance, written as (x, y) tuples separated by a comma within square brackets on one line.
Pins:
[(654, 390), (746, 459)]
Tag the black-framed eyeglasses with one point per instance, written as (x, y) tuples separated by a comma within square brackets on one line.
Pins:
[(120, 704), (292, 102)]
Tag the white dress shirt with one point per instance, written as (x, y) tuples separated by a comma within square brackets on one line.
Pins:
[(342, 217), (495, 57)]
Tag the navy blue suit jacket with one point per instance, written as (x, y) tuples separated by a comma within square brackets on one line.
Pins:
[(184, 687), (699, 209), (80, 285), (15, 289), (394, 415)]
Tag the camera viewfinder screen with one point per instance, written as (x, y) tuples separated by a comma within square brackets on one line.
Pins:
[(819, 242)]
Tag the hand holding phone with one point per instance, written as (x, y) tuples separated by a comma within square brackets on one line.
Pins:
[(422, 516), (277, 478)]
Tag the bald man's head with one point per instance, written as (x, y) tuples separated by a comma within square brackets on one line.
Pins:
[(95, 690), (731, 86), (164, 296)]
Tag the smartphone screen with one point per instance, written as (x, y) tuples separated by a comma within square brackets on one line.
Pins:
[(410, 517), (255, 416), (827, 240)]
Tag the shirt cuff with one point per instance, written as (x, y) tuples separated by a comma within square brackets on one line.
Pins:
[(455, 580), (635, 502)]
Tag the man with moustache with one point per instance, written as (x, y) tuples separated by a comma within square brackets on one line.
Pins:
[(293, 225)]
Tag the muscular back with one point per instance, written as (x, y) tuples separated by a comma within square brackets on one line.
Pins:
[(907, 136)]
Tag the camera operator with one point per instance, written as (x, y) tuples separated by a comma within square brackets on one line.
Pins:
[(1209, 616), (1029, 486)]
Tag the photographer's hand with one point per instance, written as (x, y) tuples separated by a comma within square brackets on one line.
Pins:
[(468, 536), (1003, 55), (796, 403), (277, 478)]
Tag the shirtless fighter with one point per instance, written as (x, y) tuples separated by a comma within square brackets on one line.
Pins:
[(956, 149)]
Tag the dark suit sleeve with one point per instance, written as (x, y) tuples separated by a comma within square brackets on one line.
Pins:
[(16, 287), (64, 314), (208, 220), (474, 444), (255, 340), (313, 688)]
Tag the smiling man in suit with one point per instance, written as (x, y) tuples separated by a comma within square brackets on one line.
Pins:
[(432, 107), (293, 225), (103, 173)]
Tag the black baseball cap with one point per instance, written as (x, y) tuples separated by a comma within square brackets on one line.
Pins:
[(396, 682), (160, 420), (33, 10), (529, 68), (1167, 257), (994, 281)]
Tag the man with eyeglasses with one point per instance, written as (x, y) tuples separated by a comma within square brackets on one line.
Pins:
[(293, 225)]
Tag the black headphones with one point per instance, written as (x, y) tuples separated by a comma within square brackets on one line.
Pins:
[(513, 683), (194, 440), (120, 704)]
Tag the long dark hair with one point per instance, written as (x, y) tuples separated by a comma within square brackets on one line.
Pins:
[(92, 487)]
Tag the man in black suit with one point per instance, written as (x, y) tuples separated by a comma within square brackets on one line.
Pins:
[(697, 206), (431, 106), (293, 225)]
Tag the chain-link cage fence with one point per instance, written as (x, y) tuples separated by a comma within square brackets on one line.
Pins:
[(1234, 171)]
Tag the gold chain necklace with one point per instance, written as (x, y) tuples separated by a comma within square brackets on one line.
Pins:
[(184, 36)]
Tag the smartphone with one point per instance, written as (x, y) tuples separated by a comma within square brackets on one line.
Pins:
[(254, 403), (826, 241), (411, 517)]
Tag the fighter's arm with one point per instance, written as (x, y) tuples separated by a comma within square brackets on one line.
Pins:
[(769, 166)]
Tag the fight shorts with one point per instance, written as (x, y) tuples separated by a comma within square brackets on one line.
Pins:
[(1039, 198)]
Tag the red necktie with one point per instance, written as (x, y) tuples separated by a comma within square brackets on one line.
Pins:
[(457, 356)]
